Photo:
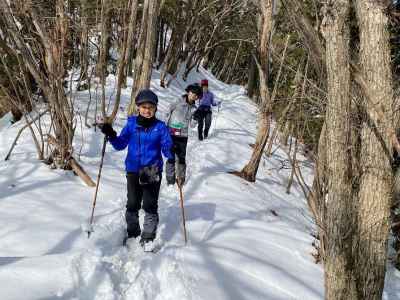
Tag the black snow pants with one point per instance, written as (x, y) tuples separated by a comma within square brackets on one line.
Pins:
[(204, 120), (179, 148), (146, 197)]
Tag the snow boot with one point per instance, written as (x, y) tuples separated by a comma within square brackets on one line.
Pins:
[(130, 242), (146, 241)]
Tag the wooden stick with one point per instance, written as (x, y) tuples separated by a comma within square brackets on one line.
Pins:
[(183, 210)]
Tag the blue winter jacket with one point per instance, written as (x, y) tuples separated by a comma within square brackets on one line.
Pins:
[(144, 144)]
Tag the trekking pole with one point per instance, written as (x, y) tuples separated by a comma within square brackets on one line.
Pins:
[(103, 151), (183, 210), (216, 119)]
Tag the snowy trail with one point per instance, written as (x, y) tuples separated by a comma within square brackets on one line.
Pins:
[(116, 273), (137, 275), (246, 241)]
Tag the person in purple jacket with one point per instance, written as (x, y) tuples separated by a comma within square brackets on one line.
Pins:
[(203, 115), (147, 138)]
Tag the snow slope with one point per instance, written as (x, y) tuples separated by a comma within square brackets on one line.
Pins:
[(246, 241)]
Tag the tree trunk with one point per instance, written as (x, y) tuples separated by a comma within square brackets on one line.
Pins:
[(308, 34), (105, 41), (339, 222), (252, 80), (171, 55), (293, 171), (249, 172), (161, 50), (145, 55), (376, 152), (123, 61), (282, 122), (84, 44), (130, 37)]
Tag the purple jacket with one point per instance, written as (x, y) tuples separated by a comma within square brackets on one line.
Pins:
[(208, 99)]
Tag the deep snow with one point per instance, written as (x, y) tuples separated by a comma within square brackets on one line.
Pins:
[(246, 241)]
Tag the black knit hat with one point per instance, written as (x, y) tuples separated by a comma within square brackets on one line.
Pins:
[(195, 89), (146, 96)]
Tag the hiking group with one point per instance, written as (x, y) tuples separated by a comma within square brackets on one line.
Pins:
[(148, 139)]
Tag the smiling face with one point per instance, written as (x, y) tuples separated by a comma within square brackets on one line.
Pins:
[(192, 97), (147, 110)]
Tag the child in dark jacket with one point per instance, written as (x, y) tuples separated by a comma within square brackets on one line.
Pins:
[(179, 120), (147, 138)]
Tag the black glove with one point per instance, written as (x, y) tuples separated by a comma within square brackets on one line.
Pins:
[(170, 171), (197, 115), (108, 131)]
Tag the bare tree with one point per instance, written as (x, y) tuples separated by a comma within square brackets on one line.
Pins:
[(250, 170), (53, 42)]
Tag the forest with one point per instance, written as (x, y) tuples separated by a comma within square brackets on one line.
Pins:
[(323, 75)]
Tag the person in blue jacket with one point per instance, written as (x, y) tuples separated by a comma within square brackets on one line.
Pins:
[(146, 138)]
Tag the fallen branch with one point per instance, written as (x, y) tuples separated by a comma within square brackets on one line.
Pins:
[(76, 167)]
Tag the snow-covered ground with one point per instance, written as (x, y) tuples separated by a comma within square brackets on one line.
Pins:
[(246, 241)]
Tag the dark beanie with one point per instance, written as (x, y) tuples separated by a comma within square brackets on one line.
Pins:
[(195, 89), (146, 96)]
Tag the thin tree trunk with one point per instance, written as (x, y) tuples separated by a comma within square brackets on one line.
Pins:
[(308, 34), (250, 170), (316, 199), (290, 182), (84, 41), (281, 123), (171, 55), (144, 57), (161, 50), (130, 38), (105, 41), (123, 61), (145, 77)]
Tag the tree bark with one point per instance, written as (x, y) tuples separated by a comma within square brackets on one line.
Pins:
[(376, 151), (339, 222)]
